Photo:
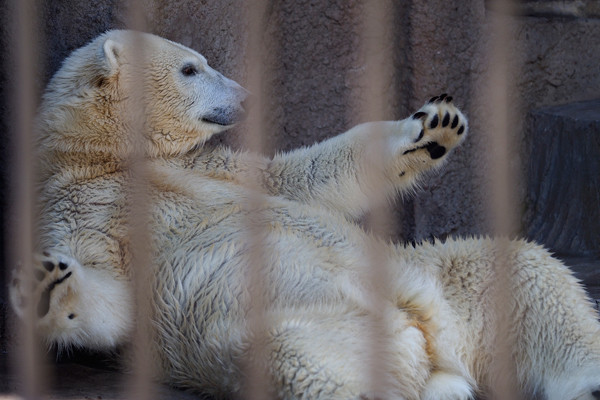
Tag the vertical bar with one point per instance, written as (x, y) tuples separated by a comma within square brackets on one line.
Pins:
[(503, 197), (376, 45), (139, 208), (256, 385), (22, 185)]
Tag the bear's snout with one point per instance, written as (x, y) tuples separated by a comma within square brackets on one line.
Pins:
[(225, 116)]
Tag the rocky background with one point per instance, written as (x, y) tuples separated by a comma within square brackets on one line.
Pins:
[(316, 79)]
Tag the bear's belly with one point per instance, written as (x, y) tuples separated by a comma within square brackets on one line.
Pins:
[(301, 256)]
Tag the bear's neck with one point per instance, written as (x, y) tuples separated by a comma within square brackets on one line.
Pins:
[(88, 165)]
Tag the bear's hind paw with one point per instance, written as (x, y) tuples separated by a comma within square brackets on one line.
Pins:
[(50, 281)]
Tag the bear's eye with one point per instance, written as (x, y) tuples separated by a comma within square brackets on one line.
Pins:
[(189, 70)]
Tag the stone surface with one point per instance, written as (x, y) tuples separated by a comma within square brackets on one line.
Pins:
[(564, 184)]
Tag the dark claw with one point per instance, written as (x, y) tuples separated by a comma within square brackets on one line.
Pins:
[(420, 136), (443, 96), (434, 122), (461, 130), (446, 120), (419, 115), (449, 99), (454, 122), (433, 99)]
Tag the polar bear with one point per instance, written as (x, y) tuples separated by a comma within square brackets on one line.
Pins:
[(427, 331)]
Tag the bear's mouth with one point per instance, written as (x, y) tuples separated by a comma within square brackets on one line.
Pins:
[(224, 116)]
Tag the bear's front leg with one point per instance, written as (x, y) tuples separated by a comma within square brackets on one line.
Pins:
[(375, 158)]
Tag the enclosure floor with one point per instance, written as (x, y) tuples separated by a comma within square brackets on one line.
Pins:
[(74, 380)]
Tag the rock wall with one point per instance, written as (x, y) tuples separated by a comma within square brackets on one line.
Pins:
[(314, 74)]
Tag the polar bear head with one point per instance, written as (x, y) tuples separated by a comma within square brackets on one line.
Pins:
[(125, 83)]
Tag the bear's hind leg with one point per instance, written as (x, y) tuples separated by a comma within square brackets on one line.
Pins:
[(335, 355)]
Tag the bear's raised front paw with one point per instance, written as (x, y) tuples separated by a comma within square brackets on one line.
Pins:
[(44, 287), (436, 128)]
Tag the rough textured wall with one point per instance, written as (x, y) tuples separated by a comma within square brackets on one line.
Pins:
[(314, 74), (553, 61)]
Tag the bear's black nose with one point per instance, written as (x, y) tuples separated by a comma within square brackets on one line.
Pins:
[(224, 115)]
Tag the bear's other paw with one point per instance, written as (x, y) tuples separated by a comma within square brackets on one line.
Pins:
[(72, 305), (44, 287)]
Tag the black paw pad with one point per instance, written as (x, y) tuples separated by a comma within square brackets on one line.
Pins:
[(454, 122), (48, 265), (461, 130), (62, 266), (434, 121), (435, 150), (446, 120)]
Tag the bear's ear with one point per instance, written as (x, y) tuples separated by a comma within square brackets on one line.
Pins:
[(112, 53)]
